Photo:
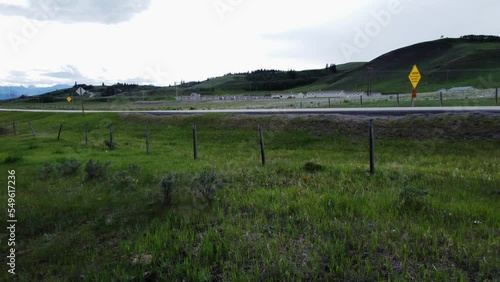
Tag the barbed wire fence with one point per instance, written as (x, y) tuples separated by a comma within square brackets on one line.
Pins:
[(239, 137)]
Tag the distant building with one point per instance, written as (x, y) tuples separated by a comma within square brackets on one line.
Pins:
[(192, 97), (325, 94), (354, 93), (461, 89), (283, 96)]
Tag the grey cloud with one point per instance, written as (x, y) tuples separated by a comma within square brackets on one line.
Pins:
[(66, 11), (15, 77), (67, 72), (17, 74), (21, 78)]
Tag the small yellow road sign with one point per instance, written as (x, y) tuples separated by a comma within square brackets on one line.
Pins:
[(69, 99), (414, 76)]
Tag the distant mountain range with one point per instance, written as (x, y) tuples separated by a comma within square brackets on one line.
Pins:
[(8, 92)]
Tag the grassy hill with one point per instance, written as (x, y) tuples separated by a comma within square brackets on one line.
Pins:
[(443, 64)]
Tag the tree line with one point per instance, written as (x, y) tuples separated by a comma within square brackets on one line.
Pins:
[(481, 38)]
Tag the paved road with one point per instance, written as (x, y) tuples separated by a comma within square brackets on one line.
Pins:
[(343, 111)]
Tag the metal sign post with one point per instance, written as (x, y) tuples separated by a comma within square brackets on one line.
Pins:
[(80, 91)]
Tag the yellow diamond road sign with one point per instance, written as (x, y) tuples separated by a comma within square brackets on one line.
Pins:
[(414, 76), (69, 99)]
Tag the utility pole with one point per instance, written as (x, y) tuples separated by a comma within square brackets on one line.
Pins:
[(370, 77), (176, 91)]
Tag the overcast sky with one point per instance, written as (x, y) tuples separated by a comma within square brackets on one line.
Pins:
[(160, 42)]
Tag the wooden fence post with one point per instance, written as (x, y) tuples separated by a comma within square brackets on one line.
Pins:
[(147, 140), (14, 127), (111, 144), (59, 134), (32, 129), (441, 98), (496, 96), (195, 142), (262, 148), (372, 148), (398, 100)]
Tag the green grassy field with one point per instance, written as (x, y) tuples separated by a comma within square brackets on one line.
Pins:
[(430, 212)]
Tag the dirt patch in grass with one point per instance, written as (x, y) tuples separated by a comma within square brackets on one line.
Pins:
[(475, 126)]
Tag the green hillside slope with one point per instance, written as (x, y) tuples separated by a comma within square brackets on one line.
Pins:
[(443, 64)]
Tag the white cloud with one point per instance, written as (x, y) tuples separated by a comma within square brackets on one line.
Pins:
[(23, 3), (71, 11)]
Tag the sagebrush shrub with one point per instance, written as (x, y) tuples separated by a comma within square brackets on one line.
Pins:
[(126, 178), (96, 170), (206, 185), (168, 184), (123, 179), (46, 171), (133, 168), (312, 167), (68, 168), (65, 168)]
